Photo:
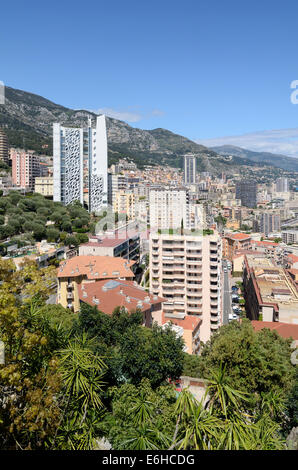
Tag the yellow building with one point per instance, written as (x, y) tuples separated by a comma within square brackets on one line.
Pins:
[(74, 272), (44, 185), (124, 203)]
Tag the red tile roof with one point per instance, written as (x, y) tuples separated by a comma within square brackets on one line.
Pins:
[(106, 242), (189, 322), (95, 267), (293, 258), (286, 330), (107, 295), (238, 236)]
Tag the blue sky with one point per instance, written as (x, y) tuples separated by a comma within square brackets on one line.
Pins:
[(203, 69)]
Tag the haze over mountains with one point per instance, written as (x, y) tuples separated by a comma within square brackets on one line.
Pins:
[(280, 161), (28, 118)]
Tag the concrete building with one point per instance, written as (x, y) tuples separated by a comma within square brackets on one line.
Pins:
[(185, 271), (171, 208), (270, 292), (124, 203), (25, 168), (44, 185), (127, 248), (269, 222), (80, 164), (74, 272), (289, 236), (282, 185), (116, 183), (188, 329), (4, 147), (232, 242), (190, 169), (246, 191)]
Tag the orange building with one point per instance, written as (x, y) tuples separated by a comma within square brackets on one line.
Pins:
[(232, 242)]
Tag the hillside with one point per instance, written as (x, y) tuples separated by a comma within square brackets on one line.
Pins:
[(27, 119), (279, 161)]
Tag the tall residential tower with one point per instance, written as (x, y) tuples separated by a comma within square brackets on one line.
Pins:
[(80, 164), (189, 169)]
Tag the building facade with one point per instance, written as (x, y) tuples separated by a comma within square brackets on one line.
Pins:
[(80, 164), (246, 191), (190, 169), (4, 148), (25, 168), (44, 185), (269, 223), (185, 271), (282, 185), (127, 248), (76, 271)]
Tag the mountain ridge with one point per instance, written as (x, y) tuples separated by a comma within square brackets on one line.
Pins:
[(275, 159), (27, 119)]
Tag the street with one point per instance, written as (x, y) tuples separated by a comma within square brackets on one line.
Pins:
[(226, 297)]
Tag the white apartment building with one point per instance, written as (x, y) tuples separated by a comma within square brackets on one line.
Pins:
[(289, 236), (80, 164), (170, 208), (185, 270), (282, 185)]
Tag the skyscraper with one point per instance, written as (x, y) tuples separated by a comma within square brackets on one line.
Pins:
[(4, 157), (80, 164), (189, 169), (282, 185), (246, 191), (269, 223)]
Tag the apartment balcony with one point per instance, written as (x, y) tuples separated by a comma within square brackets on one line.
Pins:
[(69, 295), (196, 262), (214, 311), (193, 275), (194, 252), (194, 300), (214, 327), (194, 285), (195, 307), (194, 310)]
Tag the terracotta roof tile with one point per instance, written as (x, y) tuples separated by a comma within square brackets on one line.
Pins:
[(109, 294), (286, 330), (96, 267)]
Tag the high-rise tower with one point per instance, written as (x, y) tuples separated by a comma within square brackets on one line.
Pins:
[(80, 164), (189, 169)]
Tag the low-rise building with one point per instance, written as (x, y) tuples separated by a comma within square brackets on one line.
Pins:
[(44, 185), (188, 328), (108, 295), (127, 248), (233, 242), (85, 269), (270, 292), (285, 330)]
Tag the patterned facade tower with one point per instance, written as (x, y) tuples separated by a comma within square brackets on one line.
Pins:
[(80, 165)]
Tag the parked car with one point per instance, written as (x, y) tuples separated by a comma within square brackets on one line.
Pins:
[(233, 316)]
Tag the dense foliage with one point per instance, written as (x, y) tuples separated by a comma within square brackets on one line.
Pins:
[(90, 380), (33, 217)]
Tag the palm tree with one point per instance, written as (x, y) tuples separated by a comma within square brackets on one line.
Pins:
[(81, 373)]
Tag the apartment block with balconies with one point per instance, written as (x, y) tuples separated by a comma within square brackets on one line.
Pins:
[(185, 271)]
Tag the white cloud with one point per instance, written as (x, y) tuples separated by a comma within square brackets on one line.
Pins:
[(282, 141)]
